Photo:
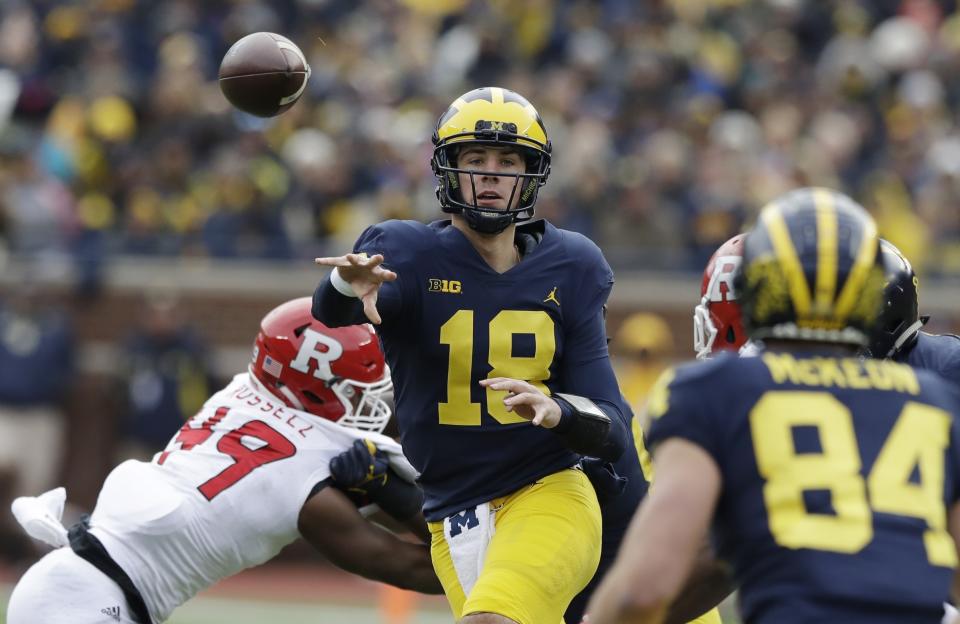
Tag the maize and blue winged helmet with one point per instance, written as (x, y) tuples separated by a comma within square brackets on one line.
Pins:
[(812, 270), (490, 116)]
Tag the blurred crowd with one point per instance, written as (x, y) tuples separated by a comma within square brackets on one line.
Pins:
[(673, 121)]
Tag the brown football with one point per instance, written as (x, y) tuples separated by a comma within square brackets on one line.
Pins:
[(263, 74)]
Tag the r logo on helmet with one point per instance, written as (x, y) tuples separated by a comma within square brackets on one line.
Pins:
[(309, 351), (721, 283)]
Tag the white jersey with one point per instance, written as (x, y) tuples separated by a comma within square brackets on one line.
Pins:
[(224, 495)]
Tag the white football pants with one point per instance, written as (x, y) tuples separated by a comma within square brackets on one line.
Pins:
[(62, 588)]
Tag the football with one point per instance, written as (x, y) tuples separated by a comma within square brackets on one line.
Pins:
[(263, 74)]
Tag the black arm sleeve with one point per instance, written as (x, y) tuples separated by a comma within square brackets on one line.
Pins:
[(334, 309), (587, 434), (399, 498)]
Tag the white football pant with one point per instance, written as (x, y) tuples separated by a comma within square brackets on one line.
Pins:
[(62, 588)]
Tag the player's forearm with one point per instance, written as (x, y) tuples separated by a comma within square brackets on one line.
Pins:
[(335, 309), (418, 526), (709, 583), (399, 498), (594, 379), (590, 436), (619, 437), (377, 554), (615, 602), (411, 568)]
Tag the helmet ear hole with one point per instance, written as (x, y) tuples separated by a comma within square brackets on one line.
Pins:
[(313, 397), (731, 335)]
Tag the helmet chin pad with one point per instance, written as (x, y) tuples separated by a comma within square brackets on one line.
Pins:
[(486, 222)]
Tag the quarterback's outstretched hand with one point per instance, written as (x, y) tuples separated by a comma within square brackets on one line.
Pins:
[(364, 276), (526, 400)]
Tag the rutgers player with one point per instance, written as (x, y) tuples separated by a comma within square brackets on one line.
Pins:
[(243, 478), (717, 322)]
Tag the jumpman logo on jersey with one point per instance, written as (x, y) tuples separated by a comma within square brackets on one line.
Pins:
[(553, 297)]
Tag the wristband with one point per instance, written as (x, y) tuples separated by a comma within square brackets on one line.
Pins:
[(341, 285)]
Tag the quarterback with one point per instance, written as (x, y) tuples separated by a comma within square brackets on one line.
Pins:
[(493, 326)]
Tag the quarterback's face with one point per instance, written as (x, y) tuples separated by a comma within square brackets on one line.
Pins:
[(497, 178)]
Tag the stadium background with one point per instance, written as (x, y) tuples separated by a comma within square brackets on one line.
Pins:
[(145, 227)]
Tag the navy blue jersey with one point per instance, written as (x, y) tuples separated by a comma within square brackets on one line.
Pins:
[(937, 352), (449, 320), (837, 477)]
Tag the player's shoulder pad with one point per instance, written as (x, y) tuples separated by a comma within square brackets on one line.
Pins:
[(940, 390), (583, 252), (716, 370), (688, 382), (935, 385), (947, 347), (395, 239)]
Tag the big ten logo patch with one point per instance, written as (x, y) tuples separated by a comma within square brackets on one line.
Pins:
[(466, 519), (445, 286), (720, 287)]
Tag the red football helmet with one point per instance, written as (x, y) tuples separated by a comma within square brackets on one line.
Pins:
[(338, 374), (717, 325)]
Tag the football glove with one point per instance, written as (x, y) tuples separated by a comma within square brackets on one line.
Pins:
[(363, 467)]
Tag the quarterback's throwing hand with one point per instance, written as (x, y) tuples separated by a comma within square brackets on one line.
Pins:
[(364, 274), (526, 400)]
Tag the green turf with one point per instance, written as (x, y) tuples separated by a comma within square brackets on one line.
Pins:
[(215, 611), (233, 611), (206, 610)]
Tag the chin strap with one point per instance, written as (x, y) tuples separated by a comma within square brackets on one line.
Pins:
[(907, 334)]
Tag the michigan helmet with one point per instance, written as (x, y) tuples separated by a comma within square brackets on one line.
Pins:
[(496, 117), (812, 270), (900, 320), (717, 322), (335, 373)]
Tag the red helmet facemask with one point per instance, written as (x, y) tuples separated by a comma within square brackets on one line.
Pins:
[(717, 324), (335, 373)]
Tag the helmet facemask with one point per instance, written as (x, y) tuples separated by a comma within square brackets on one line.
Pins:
[(525, 185), (364, 406), (704, 331)]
